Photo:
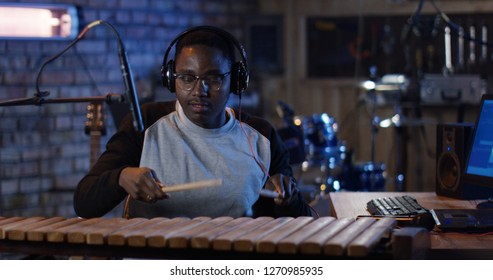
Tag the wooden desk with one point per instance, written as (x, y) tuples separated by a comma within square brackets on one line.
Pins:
[(443, 245)]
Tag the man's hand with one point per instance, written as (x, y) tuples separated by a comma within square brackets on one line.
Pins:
[(142, 184), (284, 185)]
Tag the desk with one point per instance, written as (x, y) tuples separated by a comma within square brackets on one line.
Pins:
[(443, 245)]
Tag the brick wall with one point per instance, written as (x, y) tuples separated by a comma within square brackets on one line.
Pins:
[(44, 150)]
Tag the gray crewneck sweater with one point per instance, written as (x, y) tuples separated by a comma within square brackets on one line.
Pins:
[(181, 152)]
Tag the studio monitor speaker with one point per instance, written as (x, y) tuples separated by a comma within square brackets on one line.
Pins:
[(452, 145)]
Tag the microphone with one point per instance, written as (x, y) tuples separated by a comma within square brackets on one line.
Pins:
[(130, 92)]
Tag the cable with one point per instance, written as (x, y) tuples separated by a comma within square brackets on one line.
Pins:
[(264, 170), (457, 27), (412, 23), (41, 94)]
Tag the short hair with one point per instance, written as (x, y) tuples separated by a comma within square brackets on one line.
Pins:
[(208, 38)]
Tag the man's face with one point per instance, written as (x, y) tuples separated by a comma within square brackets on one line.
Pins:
[(203, 100)]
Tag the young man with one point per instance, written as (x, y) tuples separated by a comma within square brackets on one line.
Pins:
[(193, 139)]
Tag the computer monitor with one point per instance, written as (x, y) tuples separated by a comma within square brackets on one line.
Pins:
[(479, 163)]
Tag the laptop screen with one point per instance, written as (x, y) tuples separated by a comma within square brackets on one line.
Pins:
[(479, 165)]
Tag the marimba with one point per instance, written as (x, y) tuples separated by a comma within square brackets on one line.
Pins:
[(200, 238)]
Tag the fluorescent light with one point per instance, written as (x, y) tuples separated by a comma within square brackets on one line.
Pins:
[(29, 21)]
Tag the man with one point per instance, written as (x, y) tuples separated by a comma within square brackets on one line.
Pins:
[(193, 139)]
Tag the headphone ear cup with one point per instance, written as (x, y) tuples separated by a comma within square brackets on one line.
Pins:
[(239, 78), (168, 76), (244, 76)]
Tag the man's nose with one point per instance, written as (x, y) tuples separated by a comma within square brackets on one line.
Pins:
[(201, 88)]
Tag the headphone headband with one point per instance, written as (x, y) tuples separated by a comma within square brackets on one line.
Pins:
[(239, 71)]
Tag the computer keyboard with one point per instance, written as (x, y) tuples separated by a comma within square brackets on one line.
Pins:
[(403, 206)]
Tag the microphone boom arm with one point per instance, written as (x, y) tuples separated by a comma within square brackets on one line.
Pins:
[(130, 92), (109, 99)]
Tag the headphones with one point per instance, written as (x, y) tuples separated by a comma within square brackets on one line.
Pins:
[(239, 70)]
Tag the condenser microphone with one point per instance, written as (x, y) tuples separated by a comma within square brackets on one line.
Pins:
[(130, 92)]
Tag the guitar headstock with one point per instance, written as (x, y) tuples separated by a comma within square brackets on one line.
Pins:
[(95, 119)]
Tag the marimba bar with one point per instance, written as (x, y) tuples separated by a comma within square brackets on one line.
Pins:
[(285, 237)]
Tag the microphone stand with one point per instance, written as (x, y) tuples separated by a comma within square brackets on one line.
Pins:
[(130, 92), (40, 100)]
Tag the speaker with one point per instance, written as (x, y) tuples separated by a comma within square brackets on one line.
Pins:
[(239, 69), (452, 145)]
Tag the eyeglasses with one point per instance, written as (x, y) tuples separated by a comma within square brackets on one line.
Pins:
[(187, 81)]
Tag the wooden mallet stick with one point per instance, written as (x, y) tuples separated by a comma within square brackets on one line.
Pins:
[(193, 185)]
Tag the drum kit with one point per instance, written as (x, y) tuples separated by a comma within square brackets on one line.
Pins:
[(321, 161)]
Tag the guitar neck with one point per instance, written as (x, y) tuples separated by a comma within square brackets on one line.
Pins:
[(95, 128), (95, 145)]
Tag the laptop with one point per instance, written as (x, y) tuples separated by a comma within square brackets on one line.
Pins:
[(478, 174)]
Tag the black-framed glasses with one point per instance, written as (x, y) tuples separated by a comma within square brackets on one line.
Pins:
[(212, 81)]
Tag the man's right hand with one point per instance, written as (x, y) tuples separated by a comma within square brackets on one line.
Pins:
[(142, 184)]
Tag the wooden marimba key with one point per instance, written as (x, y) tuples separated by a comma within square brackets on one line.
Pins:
[(324, 237)]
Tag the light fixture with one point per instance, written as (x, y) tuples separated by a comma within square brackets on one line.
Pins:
[(390, 82), (38, 21)]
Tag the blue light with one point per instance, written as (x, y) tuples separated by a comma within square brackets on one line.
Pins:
[(325, 118), (336, 185)]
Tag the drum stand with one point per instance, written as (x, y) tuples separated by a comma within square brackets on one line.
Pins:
[(401, 152), (374, 131), (397, 121)]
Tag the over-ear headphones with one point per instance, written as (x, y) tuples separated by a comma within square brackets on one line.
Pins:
[(239, 69)]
